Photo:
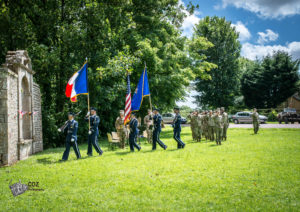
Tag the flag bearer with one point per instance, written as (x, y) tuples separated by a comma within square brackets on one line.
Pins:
[(157, 129), (134, 132), (94, 132), (177, 128), (71, 139)]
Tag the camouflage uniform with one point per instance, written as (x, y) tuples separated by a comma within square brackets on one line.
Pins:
[(226, 125), (193, 119), (219, 124), (199, 127), (121, 130), (148, 121), (255, 118), (205, 125), (211, 128)]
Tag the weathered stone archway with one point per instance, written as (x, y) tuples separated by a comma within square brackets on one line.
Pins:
[(26, 107)]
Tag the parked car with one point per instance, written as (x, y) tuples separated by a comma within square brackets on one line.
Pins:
[(169, 117), (288, 115), (246, 117)]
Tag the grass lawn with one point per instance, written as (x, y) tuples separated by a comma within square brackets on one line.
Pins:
[(247, 173)]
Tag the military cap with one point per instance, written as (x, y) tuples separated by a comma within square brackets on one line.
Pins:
[(133, 113), (93, 108), (155, 109), (121, 111), (71, 113), (176, 108)]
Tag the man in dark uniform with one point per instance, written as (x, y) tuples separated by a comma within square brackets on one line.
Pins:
[(177, 128), (157, 130), (134, 132), (71, 138), (94, 132)]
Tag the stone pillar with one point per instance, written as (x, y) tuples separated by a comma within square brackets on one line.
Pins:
[(20, 110)]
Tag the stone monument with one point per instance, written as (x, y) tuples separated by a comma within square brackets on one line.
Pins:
[(20, 110)]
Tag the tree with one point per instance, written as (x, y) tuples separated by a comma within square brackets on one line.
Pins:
[(270, 82), (60, 34), (220, 87)]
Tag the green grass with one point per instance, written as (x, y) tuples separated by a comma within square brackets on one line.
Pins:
[(247, 173)]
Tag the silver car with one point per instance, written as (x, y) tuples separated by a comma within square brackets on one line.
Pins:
[(169, 117), (246, 117)]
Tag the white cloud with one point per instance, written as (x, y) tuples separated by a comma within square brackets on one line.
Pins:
[(189, 22), (275, 9), (244, 33), (252, 52), (267, 37)]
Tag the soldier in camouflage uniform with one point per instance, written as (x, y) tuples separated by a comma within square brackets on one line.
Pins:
[(255, 119), (148, 122), (226, 123), (205, 124), (121, 129), (219, 124), (193, 123), (199, 127), (211, 126)]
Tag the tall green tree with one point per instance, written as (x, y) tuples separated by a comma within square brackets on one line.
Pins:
[(220, 87), (60, 34), (271, 81)]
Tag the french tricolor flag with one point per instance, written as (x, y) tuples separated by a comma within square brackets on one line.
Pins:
[(77, 84)]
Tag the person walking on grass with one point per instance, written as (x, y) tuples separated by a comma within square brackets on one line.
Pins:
[(93, 132), (134, 132), (71, 139), (157, 130), (177, 128)]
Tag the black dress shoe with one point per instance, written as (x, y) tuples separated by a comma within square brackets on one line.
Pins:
[(165, 147)]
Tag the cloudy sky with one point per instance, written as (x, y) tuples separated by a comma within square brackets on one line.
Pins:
[(264, 25)]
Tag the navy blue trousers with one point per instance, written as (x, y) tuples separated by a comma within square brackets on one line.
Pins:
[(180, 143), (67, 151), (156, 139), (132, 142), (93, 140)]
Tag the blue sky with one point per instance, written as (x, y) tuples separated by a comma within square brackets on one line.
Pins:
[(264, 25)]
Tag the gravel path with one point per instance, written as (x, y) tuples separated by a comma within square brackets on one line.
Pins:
[(265, 125), (231, 125)]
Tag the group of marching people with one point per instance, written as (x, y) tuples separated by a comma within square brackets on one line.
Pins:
[(71, 127), (211, 125)]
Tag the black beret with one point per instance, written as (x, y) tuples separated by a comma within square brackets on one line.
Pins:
[(93, 108), (155, 109)]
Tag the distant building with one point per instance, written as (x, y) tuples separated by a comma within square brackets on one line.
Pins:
[(291, 102)]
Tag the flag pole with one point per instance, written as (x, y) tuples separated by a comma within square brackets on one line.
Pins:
[(149, 94), (88, 98)]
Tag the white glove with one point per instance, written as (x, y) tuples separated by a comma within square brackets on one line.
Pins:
[(88, 113), (90, 132), (59, 130), (72, 140)]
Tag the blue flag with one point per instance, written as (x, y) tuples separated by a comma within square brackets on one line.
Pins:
[(141, 91)]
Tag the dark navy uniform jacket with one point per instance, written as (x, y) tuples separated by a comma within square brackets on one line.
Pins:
[(133, 124), (71, 130), (177, 122), (95, 121), (157, 122)]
